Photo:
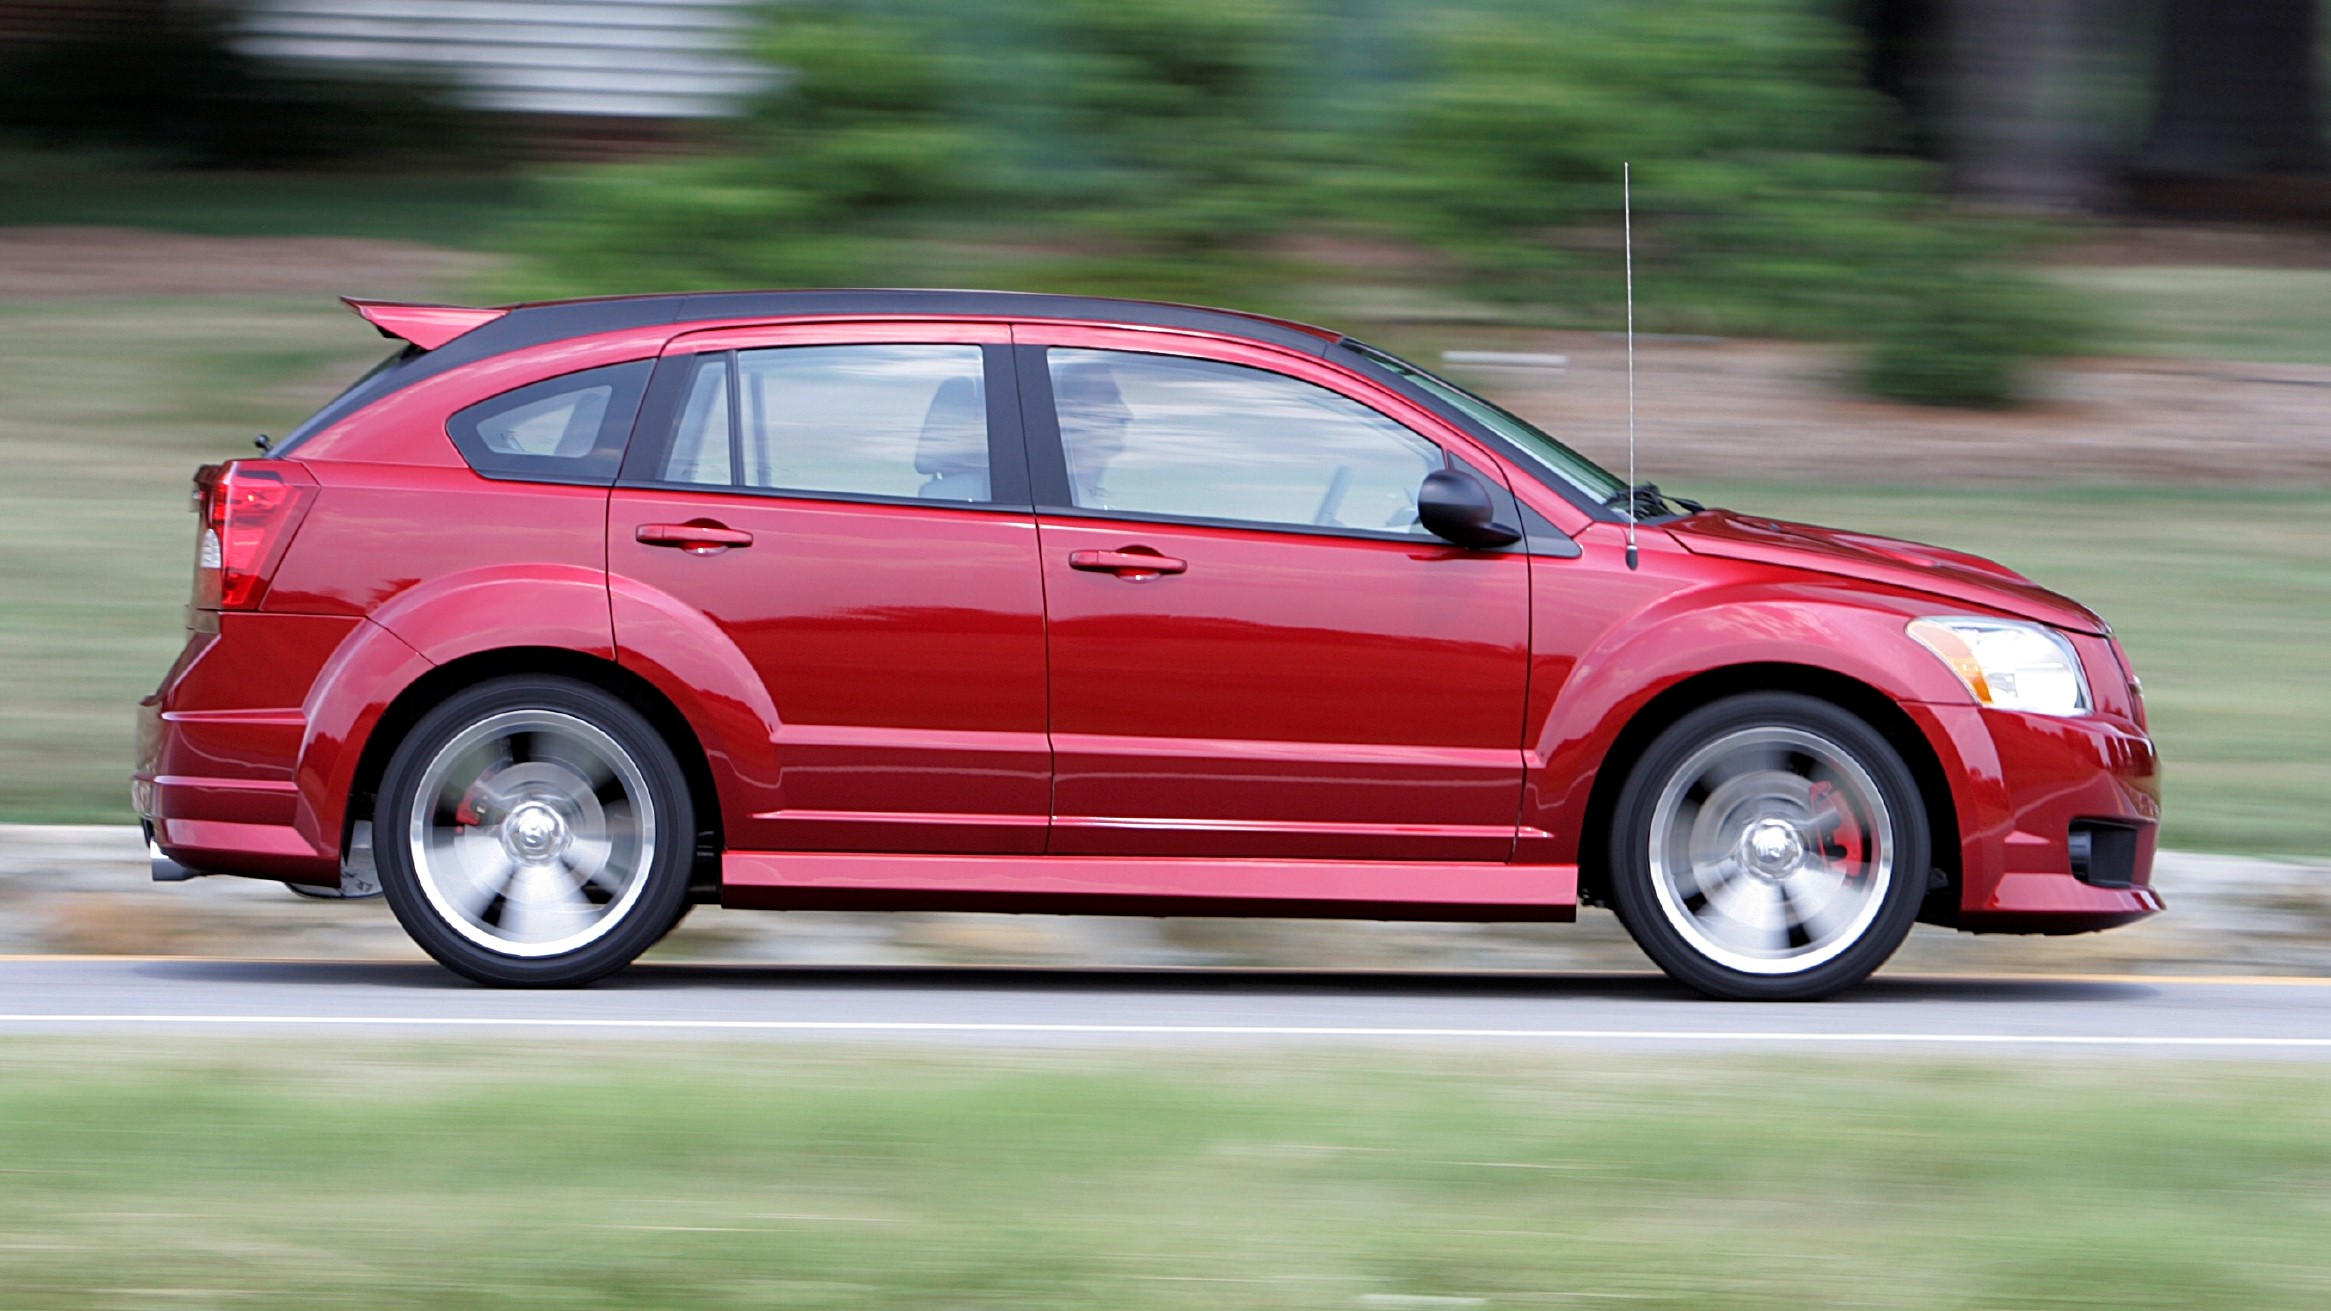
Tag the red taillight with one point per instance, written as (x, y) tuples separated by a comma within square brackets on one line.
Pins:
[(249, 509)]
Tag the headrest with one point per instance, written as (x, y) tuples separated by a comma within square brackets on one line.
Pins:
[(1090, 386), (954, 430)]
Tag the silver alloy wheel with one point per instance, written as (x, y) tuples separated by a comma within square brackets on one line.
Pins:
[(532, 833), (1771, 850)]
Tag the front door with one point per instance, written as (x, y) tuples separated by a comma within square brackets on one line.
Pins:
[(1255, 651), (847, 504)]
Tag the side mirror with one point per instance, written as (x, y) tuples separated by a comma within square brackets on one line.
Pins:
[(1454, 506)]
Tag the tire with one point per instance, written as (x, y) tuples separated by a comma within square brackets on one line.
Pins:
[(534, 832), (1769, 847)]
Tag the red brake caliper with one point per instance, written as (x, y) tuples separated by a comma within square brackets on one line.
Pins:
[(1846, 838)]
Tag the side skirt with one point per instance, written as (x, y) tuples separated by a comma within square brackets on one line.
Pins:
[(1118, 885)]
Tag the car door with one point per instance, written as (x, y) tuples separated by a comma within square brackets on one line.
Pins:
[(847, 504), (1254, 650)]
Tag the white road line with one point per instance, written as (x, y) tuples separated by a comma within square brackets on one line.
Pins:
[(1194, 1030)]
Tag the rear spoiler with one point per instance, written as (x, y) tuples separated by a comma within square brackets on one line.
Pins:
[(426, 326)]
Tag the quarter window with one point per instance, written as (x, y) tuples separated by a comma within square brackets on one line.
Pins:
[(904, 421), (1188, 438), (568, 429)]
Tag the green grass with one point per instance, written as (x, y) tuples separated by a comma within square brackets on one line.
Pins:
[(2280, 316), (2223, 597), (303, 1175), (50, 189)]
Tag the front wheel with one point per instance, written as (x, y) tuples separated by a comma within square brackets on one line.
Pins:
[(534, 832), (1769, 847)]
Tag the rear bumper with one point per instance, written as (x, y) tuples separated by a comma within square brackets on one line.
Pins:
[(215, 778), (219, 825), (2023, 785)]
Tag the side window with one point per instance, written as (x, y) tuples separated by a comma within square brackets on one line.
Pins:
[(1160, 434), (568, 429), (903, 421)]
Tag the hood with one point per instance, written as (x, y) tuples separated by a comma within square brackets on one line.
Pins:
[(1953, 575)]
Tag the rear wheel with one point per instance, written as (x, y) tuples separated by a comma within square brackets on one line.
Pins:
[(534, 831), (1769, 847)]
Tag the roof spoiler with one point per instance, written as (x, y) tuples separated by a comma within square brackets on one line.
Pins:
[(426, 326)]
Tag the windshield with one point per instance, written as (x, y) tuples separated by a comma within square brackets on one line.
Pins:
[(1600, 485)]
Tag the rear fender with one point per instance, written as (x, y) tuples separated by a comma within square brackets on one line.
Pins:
[(371, 668), (461, 614), (701, 671)]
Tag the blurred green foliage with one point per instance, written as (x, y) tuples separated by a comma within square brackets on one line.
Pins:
[(823, 176), (1761, 205), (1196, 149)]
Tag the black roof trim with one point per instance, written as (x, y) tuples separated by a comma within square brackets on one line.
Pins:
[(537, 324)]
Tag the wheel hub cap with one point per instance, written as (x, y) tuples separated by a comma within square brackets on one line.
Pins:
[(1772, 849), (534, 833)]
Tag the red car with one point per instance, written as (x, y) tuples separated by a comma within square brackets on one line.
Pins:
[(569, 616)]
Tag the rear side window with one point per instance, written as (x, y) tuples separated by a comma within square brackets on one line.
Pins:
[(568, 429), (892, 421)]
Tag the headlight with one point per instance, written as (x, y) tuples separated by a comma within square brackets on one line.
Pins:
[(2009, 665)]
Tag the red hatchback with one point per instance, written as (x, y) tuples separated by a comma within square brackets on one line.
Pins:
[(569, 616)]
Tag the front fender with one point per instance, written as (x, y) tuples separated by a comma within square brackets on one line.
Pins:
[(1702, 631)]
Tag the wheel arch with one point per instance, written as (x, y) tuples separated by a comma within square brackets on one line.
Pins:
[(1847, 693), (443, 681)]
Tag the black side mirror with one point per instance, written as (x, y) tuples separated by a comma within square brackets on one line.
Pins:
[(1454, 506)]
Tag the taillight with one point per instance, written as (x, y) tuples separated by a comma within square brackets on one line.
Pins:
[(249, 510)]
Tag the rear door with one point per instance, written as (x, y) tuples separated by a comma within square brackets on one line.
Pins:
[(1254, 649), (848, 504)]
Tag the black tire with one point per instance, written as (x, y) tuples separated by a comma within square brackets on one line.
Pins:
[(651, 864), (1679, 918)]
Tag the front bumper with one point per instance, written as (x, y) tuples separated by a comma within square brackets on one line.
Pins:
[(2024, 785)]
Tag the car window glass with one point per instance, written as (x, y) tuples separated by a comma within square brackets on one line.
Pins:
[(563, 425), (570, 428), (1161, 434), (886, 420), (700, 448)]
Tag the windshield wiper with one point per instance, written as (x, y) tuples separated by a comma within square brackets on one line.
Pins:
[(1651, 503)]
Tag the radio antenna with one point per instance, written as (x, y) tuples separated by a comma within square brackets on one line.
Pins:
[(1627, 222)]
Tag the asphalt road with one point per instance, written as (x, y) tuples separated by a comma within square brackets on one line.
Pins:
[(2102, 1015)]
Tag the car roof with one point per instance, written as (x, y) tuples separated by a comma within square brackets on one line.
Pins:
[(446, 337)]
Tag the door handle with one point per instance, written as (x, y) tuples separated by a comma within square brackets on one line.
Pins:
[(694, 538), (1134, 564)]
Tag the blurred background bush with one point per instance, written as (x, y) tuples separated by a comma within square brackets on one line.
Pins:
[(1875, 172), (1190, 148)]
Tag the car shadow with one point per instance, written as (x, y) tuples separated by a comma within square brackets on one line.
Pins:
[(676, 976)]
